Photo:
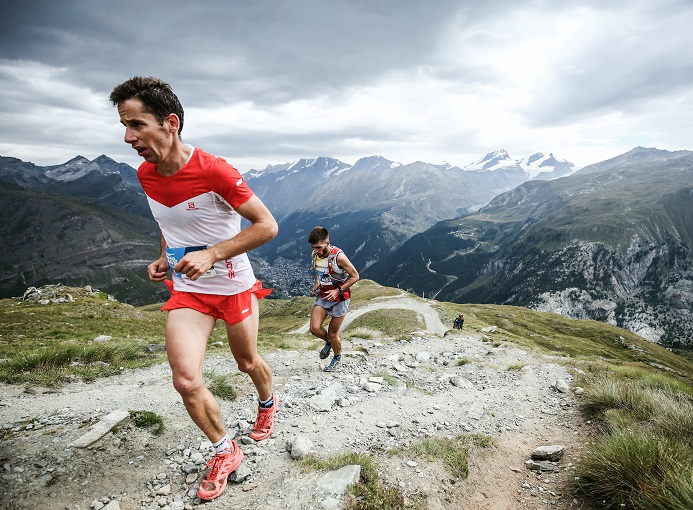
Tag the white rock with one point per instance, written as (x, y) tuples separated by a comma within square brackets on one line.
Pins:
[(561, 386), (371, 387), (337, 482), (423, 356), (552, 453), (300, 447)]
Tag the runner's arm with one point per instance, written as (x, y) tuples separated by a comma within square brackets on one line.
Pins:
[(316, 285), (157, 269), (262, 228)]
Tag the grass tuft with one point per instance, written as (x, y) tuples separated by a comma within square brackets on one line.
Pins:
[(644, 460), (148, 420), (53, 364), (362, 333), (454, 453), (220, 385), (637, 470)]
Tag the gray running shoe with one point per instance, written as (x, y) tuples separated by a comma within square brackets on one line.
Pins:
[(325, 351), (334, 365)]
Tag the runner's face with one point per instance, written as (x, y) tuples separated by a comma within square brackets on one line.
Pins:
[(143, 132), (322, 249)]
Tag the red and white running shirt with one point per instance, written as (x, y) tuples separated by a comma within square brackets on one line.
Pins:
[(195, 207)]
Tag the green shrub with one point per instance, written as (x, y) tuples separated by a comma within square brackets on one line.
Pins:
[(148, 420), (220, 385)]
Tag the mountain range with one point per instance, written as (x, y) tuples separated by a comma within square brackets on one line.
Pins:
[(609, 242), (375, 205)]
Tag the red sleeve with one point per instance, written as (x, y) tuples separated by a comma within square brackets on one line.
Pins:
[(229, 183)]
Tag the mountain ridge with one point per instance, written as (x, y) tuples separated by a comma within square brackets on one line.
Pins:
[(611, 242)]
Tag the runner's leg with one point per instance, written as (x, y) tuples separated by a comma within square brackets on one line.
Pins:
[(243, 344), (317, 317), (187, 332), (333, 334)]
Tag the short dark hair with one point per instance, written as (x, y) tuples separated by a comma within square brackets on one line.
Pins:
[(156, 96), (318, 234)]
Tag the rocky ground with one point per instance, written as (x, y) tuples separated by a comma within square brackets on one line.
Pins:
[(388, 394)]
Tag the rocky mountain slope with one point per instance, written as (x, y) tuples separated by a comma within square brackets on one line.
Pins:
[(48, 238), (611, 242), (82, 221)]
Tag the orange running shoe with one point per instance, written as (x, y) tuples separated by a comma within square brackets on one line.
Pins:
[(222, 465), (264, 421)]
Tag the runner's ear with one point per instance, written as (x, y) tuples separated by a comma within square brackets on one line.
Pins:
[(172, 122)]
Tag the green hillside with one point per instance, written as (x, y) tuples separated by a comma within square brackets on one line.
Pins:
[(72, 316)]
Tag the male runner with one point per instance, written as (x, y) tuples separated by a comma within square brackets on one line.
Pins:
[(198, 200), (334, 275)]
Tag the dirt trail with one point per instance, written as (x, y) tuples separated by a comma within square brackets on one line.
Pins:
[(432, 321), (435, 386)]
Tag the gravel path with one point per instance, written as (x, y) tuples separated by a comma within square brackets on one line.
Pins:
[(388, 394)]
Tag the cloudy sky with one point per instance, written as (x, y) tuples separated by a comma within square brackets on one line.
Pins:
[(271, 81)]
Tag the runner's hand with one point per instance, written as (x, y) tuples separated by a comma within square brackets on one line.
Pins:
[(332, 295), (157, 270), (194, 264)]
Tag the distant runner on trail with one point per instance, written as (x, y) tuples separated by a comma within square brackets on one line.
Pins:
[(198, 201), (334, 275), (459, 322)]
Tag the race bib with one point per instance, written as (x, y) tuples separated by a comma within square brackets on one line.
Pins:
[(173, 256)]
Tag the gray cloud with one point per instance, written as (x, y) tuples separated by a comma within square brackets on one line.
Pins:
[(281, 80), (269, 52)]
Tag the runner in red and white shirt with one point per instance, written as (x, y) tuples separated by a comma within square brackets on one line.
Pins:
[(198, 201)]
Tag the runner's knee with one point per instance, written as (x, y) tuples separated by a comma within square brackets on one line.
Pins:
[(250, 364), (187, 386)]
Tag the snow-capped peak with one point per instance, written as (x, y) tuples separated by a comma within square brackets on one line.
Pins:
[(540, 166), (493, 161)]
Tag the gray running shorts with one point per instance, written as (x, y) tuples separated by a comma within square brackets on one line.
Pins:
[(333, 308)]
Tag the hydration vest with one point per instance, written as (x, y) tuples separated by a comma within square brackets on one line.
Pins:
[(334, 277)]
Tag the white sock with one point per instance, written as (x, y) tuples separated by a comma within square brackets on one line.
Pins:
[(223, 445)]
